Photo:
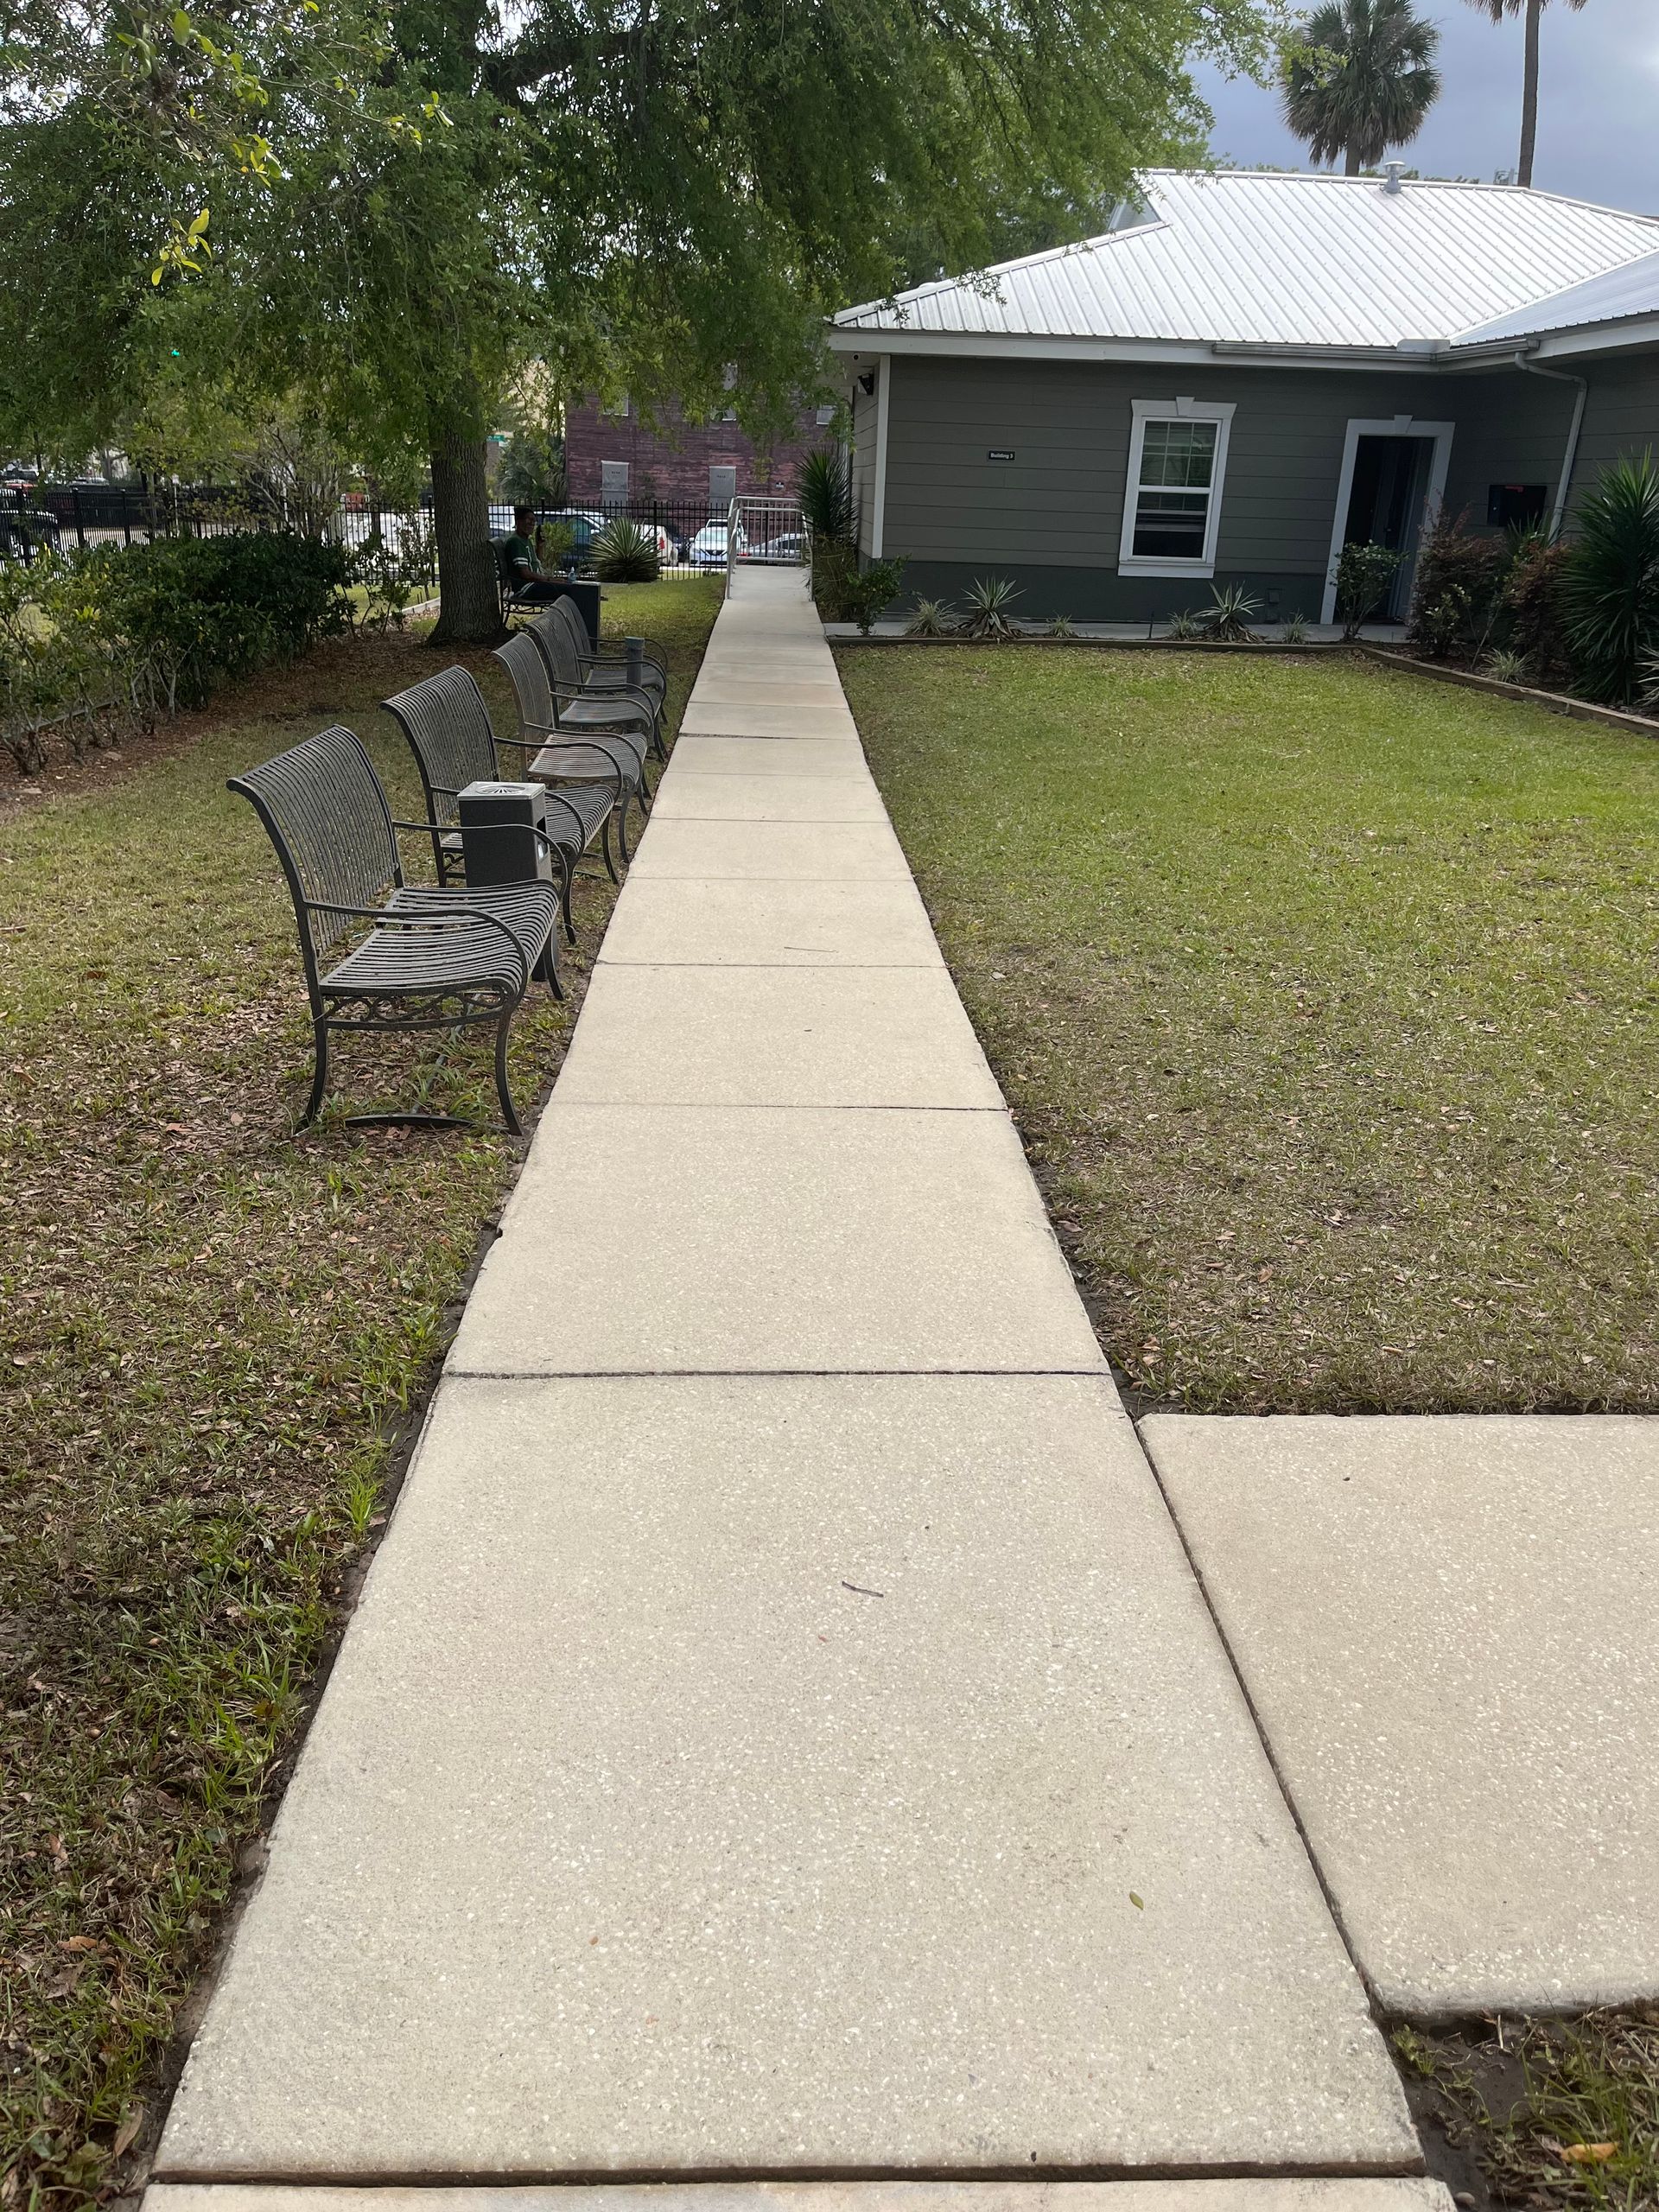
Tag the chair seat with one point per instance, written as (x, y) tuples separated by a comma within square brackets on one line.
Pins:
[(613, 676), (554, 764), (591, 804), (599, 714), (470, 954)]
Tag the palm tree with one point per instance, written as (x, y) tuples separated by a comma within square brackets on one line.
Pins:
[(1360, 78), (1534, 8)]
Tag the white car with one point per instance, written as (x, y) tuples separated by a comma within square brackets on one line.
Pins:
[(707, 548)]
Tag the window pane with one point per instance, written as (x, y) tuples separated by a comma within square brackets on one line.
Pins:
[(1178, 452), (1169, 525)]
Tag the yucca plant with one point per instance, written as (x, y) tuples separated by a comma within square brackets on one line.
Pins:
[(624, 553), (1612, 581), (1060, 625), (1183, 624), (989, 601), (931, 617), (1227, 619), (826, 496), (1295, 629)]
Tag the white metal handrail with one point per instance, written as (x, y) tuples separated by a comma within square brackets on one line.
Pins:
[(767, 532)]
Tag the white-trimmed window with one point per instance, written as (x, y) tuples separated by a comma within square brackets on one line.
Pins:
[(1171, 501)]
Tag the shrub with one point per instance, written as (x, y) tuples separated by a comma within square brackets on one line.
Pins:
[(989, 598), (1183, 624), (394, 571), (1611, 589), (1534, 606), (931, 617), (1455, 595), (1363, 575), (144, 629), (1295, 629), (1060, 625), (624, 553), (869, 590), (1228, 617)]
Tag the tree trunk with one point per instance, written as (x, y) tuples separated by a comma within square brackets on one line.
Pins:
[(469, 611), (1351, 161), (1529, 95)]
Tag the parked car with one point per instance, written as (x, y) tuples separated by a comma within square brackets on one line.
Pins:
[(707, 548), (790, 546)]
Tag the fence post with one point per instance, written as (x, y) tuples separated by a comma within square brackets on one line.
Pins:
[(80, 530)]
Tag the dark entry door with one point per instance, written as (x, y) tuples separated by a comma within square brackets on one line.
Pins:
[(1386, 504)]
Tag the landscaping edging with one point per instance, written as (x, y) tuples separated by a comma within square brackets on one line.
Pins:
[(1554, 702)]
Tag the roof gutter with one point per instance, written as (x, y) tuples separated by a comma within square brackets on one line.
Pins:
[(1524, 360)]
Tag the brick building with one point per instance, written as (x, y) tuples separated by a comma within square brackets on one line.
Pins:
[(613, 457)]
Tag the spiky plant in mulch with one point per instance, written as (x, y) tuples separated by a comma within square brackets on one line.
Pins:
[(1227, 619), (1295, 630), (989, 601), (1060, 625), (931, 617), (1183, 624), (1612, 581)]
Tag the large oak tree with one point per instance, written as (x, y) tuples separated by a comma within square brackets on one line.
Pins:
[(391, 213)]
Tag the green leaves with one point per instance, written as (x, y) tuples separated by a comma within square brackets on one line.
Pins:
[(1612, 581)]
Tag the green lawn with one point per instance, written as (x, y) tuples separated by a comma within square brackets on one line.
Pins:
[(209, 1331), (1327, 1000)]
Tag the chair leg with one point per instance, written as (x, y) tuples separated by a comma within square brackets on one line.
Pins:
[(507, 1113), (319, 1080), (568, 865), (605, 847), (622, 829)]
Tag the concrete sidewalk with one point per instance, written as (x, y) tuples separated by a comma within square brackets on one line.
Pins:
[(781, 1735)]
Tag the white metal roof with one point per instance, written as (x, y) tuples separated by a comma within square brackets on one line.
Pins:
[(1632, 289), (1239, 258)]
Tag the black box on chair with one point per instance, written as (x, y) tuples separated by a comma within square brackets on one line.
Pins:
[(497, 826)]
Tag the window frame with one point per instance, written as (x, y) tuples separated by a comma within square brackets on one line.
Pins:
[(1143, 411)]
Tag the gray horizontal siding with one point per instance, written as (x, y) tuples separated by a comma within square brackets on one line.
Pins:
[(1054, 513)]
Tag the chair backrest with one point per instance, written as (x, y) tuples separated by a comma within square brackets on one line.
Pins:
[(564, 663), (328, 817), (447, 725), (522, 659), (568, 615)]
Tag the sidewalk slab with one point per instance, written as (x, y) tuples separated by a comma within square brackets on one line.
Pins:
[(1448, 1628), (785, 755), (776, 1037), (713, 796), (1267, 2193), (845, 852), (669, 1240), (802, 719), (637, 1835), (770, 924)]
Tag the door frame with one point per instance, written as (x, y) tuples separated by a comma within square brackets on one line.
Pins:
[(1396, 426)]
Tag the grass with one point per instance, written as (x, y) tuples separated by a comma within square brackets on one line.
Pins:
[(1327, 1002), (1562, 2116), (210, 1331)]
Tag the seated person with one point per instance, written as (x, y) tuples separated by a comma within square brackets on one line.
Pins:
[(530, 584)]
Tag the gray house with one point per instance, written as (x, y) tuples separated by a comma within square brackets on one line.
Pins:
[(1250, 371)]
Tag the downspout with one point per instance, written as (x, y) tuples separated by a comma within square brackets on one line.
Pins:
[(1562, 376)]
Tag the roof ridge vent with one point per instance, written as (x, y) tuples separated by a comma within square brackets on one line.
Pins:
[(1392, 173)]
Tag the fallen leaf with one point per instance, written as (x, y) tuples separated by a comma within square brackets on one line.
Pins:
[(1589, 2154), (126, 2134), (1136, 1901), (79, 1943)]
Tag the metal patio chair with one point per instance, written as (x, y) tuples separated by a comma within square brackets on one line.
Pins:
[(420, 958), (604, 666), (538, 723), (446, 722), (575, 708)]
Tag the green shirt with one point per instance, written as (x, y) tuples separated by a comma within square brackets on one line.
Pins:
[(519, 553)]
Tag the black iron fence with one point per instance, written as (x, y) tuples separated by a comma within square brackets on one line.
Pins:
[(689, 534)]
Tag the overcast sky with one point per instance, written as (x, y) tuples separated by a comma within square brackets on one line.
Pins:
[(1598, 106)]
